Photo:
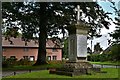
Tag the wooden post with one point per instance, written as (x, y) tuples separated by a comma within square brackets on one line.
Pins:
[(14, 73)]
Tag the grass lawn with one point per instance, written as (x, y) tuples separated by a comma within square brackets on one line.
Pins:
[(107, 63), (111, 73)]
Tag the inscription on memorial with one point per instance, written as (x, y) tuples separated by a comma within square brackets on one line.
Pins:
[(81, 46)]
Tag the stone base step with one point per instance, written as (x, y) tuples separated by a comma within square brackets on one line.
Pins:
[(74, 72)]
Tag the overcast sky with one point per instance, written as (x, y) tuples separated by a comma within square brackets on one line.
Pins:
[(103, 40)]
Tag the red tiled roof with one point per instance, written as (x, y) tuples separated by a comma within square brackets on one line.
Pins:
[(18, 42)]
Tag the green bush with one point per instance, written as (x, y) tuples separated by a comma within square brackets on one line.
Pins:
[(103, 57), (112, 55), (99, 57), (115, 52), (24, 62), (94, 57), (5, 64), (9, 62)]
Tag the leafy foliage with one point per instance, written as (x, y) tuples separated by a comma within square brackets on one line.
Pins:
[(112, 55), (10, 62), (57, 16), (99, 57), (115, 52)]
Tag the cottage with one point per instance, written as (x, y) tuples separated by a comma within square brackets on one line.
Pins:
[(17, 48)]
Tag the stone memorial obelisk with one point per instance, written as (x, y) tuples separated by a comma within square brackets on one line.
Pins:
[(78, 39), (77, 63)]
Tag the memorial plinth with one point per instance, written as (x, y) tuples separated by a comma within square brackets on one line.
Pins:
[(78, 42)]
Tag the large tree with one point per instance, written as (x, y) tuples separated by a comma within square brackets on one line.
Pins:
[(46, 19)]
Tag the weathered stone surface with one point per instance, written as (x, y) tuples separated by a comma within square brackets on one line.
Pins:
[(75, 68), (77, 65), (78, 42)]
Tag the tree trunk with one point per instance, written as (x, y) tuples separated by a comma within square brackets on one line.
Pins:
[(41, 58)]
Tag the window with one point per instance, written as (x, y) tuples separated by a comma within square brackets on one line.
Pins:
[(12, 57), (48, 58), (26, 49), (32, 58), (54, 50), (3, 58), (25, 57), (54, 57)]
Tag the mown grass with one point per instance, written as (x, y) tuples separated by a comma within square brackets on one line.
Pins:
[(111, 73)]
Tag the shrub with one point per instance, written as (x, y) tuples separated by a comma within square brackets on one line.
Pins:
[(95, 57), (9, 62), (99, 57), (112, 55), (24, 62), (5, 64), (103, 57), (115, 52)]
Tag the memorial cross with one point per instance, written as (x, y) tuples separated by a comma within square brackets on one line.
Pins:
[(79, 13)]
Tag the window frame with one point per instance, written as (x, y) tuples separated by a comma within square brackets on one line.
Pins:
[(26, 49), (25, 57), (54, 57), (32, 57)]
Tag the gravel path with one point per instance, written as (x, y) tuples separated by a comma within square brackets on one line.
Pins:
[(105, 66)]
